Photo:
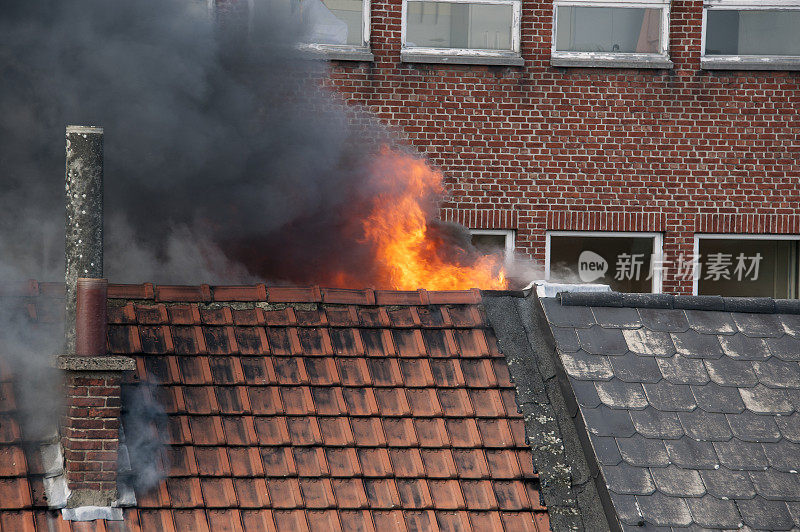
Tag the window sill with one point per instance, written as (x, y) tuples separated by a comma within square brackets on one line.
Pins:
[(610, 60), (753, 62), (337, 53), (453, 57)]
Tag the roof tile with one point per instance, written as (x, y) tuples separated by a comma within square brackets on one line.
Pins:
[(728, 372), (631, 367), (689, 453), (382, 493), (765, 515), (742, 347), (692, 344), (284, 493), (670, 397), (662, 510), (739, 455), (748, 426), (617, 318), (786, 347), (604, 421), (349, 493), (218, 492), (605, 449), (763, 400), (678, 369), (648, 343), (563, 316), (723, 483), (400, 432), (678, 482), (584, 366), (652, 423), (597, 340), (643, 452), (712, 397), (705, 426), (664, 320), (628, 480), (479, 495), (343, 462), (618, 394), (758, 325), (317, 492), (710, 322), (711, 512)]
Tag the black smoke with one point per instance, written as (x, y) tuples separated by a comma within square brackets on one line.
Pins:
[(226, 158)]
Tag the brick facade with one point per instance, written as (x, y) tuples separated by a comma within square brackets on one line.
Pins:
[(90, 434), (539, 148)]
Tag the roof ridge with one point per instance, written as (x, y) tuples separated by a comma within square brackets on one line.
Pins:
[(756, 305), (290, 294)]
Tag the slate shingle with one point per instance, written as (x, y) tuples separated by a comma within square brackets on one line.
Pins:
[(711, 512), (584, 366), (665, 320), (728, 372), (649, 343), (791, 324), (751, 427), (678, 482), (662, 510), (561, 316), (604, 421), (617, 318), (678, 369), (597, 340), (705, 426), (643, 452), (692, 454), (758, 325), (631, 367), (566, 339), (585, 393), (790, 426), (618, 394), (763, 400), (777, 373), (776, 485), (692, 344), (725, 483), (712, 397), (606, 450), (628, 480), (738, 455), (783, 455), (670, 397), (762, 514), (742, 347), (652, 423), (711, 322), (786, 347)]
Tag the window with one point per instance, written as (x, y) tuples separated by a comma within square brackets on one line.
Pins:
[(751, 35), (459, 31), (747, 265), (628, 262), (494, 241), (338, 29), (611, 34)]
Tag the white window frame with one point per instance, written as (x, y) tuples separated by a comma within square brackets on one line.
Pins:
[(657, 257), (614, 59), (509, 235), (339, 52), (747, 62), (727, 236), (472, 56)]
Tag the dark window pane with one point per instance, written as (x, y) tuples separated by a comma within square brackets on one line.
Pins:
[(621, 262), (752, 268), (459, 25), (752, 32), (608, 29)]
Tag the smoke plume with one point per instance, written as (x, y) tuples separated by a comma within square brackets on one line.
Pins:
[(225, 158)]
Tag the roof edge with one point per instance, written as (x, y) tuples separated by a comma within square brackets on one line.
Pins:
[(755, 305), (290, 294)]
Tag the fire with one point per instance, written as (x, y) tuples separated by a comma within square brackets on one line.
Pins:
[(409, 255)]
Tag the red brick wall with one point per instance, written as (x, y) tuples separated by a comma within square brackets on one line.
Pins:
[(90, 433), (535, 148)]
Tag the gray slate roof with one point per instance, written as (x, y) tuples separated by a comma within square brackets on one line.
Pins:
[(691, 405)]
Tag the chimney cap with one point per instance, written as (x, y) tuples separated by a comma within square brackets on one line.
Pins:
[(84, 129)]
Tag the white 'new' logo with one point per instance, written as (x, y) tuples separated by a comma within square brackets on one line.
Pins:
[(591, 266)]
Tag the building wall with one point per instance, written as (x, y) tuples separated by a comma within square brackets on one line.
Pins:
[(539, 148)]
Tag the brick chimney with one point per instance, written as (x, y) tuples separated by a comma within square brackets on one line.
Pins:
[(93, 378)]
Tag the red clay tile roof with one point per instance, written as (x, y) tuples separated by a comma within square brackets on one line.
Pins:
[(314, 409)]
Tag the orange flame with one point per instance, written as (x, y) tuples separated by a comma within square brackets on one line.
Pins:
[(408, 255)]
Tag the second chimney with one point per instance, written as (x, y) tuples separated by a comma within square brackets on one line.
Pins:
[(90, 427)]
